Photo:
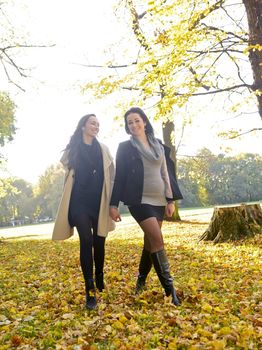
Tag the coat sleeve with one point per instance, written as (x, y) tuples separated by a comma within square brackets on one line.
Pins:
[(172, 176), (120, 177), (111, 168), (165, 177), (64, 162)]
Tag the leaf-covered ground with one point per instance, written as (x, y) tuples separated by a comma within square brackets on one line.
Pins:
[(42, 300)]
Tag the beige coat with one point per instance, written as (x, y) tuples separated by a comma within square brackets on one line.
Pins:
[(62, 229)]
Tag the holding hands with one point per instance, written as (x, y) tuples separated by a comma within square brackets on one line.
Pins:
[(114, 214), (170, 208)]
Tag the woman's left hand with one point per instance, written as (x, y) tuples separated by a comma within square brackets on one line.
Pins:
[(114, 213), (170, 208)]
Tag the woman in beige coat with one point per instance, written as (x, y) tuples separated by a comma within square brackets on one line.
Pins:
[(85, 201)]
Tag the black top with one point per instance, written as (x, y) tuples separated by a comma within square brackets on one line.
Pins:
[(88, 181)]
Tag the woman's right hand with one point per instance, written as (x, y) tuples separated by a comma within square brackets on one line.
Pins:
[(114, 213)]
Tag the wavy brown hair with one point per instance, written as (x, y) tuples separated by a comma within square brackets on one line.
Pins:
[(76, 140)]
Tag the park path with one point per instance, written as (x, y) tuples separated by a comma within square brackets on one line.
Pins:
[(44, 231)]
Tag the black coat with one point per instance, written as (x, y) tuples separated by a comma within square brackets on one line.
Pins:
[(129, 178)]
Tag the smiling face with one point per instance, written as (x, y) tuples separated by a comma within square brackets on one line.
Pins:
[(90, 129), (135, 124)]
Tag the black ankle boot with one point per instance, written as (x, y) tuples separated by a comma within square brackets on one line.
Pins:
[(90, 295), (100, 282), (144, 269), (161, 266)]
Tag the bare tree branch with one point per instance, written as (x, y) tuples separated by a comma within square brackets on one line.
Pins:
[(10, 61), (25, 46), (10, 80), (105, 66), (244, 133), (142, 15), (196, 93), (226, 32), (237, 67), (198, 81), (224, 89), (6, 59), (214, 62), (232, 19), (236, 116), (215, 51)]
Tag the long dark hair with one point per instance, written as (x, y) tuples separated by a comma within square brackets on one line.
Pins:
[(76, 140), (148, 129)]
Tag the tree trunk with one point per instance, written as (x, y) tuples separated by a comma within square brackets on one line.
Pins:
[(234, 223), (254, 18), (168, 129)]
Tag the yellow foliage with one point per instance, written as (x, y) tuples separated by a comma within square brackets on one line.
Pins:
[(224, 331), (206, 307), (173, 344), (118, 325), (35, 314), (175, 58), (218, 345)]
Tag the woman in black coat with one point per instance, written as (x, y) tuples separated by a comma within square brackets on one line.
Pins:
[(146, 183)]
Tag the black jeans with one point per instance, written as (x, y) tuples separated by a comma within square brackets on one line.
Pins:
[(89, 242)]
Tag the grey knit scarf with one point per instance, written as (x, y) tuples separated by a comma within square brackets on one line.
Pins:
[(156, 149)]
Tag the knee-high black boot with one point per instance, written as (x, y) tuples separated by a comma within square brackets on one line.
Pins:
[(161, 266), (90, 294), (144, 269)]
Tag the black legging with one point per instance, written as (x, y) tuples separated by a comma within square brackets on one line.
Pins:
[(87, 230)]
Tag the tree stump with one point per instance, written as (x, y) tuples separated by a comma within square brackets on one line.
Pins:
[(234, 223), (253, 214)]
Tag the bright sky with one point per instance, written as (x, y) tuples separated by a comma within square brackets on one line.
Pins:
[(47, 113)]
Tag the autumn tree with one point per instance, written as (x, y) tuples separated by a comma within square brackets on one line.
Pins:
[(8, 196), (182, 49), (16, 201), (13, 44), (7, 118), (48, 191), (21, 202), (254, 17), (25, 203), (207, 179), (179, 50)]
